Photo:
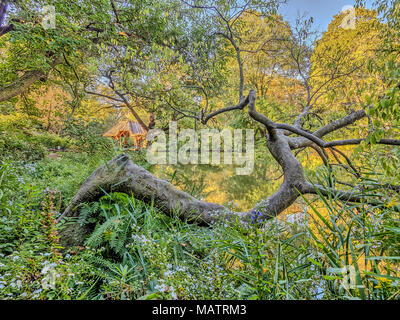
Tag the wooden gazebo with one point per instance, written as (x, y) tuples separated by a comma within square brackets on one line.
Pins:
[(126, 129)]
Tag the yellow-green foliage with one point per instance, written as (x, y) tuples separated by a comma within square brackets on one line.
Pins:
[(21, 135)]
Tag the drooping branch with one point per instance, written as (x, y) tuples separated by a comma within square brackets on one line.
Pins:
[(346, 142), (133, 111), (120, 98), (127, 103), (307, 138), (103, 95), (353, 170), (239, 106), (23, 83), (345, 196)]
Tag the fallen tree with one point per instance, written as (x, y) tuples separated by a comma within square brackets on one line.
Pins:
[(122, 175)]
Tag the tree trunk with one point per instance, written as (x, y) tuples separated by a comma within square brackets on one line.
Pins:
[(21, 84), (121, 175)]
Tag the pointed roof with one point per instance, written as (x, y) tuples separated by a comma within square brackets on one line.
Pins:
[(134, 128)]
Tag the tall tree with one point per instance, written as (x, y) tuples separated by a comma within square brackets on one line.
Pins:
[(343, 53)]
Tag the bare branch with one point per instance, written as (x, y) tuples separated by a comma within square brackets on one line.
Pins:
[(239, 106), (104, 96), (347, 196), (391, 142), (334, 150), (338, 124)]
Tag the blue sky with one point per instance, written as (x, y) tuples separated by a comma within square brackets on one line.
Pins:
[(321, 10)]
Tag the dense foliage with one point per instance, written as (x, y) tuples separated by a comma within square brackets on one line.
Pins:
[(61, 88)]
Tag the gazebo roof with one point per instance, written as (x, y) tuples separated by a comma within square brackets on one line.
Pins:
[(134, 128)]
